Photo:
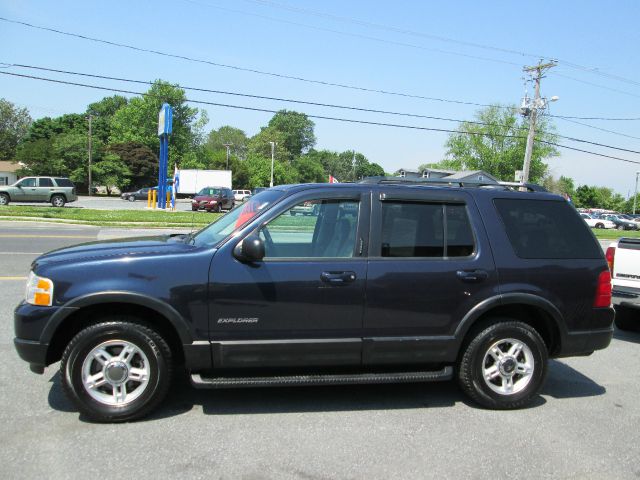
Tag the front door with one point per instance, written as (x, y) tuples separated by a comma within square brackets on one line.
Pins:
[(302, 306), (26, 190)]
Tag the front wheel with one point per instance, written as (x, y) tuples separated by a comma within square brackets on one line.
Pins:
[(116, 371), (58, 201), (4, 199), (620, 227), (504, 365), (599, 225), (132, 198)]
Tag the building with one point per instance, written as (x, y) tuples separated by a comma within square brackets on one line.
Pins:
[(8, 173), (463, 176)]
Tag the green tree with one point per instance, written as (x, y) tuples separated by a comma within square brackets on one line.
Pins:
[(259, 172), (111, 172), (36, 156), (227, 134), (259, 145), (137, 121), (102, 112), (310, 170), (497, 143), (297, 131), (14, 125), (141, 161)]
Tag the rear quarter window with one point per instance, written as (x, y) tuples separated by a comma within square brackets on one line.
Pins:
[(64, 182), (546, 229)]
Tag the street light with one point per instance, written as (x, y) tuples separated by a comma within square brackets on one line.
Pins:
[(635, 195), (273, 149), (228, 145)]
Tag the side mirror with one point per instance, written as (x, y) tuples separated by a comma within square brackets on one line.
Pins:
[(251, 249)]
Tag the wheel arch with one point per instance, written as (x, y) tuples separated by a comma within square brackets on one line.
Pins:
[(533, 310), (62, 194), (85, 310)]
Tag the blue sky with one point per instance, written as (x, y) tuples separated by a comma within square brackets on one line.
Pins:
[(266, 35)]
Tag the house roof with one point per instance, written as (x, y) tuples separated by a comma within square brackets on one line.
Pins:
[(438, 170), (9, 167), (468, 173), (409, 170)]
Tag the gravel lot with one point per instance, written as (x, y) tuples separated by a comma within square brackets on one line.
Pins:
[(586, 423)]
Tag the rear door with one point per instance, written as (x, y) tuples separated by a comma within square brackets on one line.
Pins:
[(429, 265), (302, 306), (43, 191)]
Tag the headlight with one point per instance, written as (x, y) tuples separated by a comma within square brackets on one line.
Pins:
[(39, 291), (212, 202)]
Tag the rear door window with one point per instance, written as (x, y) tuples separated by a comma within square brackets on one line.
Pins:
[(418, 229), (546, 229), (45, 182)]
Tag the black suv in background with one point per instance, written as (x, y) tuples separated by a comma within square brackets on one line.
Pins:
[(387, 282)]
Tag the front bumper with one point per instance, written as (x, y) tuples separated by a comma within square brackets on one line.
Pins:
[(33, 352)]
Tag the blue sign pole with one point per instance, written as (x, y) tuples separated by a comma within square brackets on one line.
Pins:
[(165, 127)]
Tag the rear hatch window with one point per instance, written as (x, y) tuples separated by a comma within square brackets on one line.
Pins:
[(546, 229)]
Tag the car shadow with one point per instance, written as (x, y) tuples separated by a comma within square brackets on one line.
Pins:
[(626, 336), (563, 382)]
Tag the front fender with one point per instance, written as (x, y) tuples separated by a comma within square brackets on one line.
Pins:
[(132, 298)]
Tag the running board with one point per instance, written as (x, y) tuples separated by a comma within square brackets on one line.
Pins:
[(308, 380)]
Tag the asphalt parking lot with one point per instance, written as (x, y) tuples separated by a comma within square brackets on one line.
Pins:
[(586, 423)]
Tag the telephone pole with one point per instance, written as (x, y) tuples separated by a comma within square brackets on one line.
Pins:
[(530, 108), (90, 118)]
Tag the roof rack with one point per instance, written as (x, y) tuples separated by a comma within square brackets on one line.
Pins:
[(532, 187)]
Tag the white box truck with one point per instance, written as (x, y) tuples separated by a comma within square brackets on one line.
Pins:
[(192, 181)]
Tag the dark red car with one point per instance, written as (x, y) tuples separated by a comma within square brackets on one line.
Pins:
[(213, 199)]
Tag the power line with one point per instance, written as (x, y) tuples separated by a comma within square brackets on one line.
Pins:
[(596, 85), (355, 35), (319, 104), (243, 69), (405, 31), (597, 128), (278, 75), (321, 117)]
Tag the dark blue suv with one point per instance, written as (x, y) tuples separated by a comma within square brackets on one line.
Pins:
[(385, 282)]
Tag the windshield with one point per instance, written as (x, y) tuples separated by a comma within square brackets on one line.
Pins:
[(209, 191), (236, 218)]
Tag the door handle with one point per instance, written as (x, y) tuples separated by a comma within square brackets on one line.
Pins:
[(472, 276), (338, 278)]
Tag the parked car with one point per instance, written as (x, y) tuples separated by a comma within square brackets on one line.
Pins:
[(241, 195), (391, 283), (56, 190), (213, 199), (141, 194), (306, 208), (623, 257), (595, 222), (621, 222)]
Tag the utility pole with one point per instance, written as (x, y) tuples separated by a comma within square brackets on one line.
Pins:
[(273, 150), (531, 109), (635, 195), (227, 145), (90, 118)]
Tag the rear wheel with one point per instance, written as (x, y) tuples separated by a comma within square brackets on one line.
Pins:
[(4, 199), (599, 225), (132, 198), (627, 319), (620, 227), (116, 371), (504, 365), (58, 201)]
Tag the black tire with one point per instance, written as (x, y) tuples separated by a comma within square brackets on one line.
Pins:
[(217, 208), (293, 214), (620, 227), (474, 361), (4, 199), (599, 225), (627, 319), (154, 350), (132, 198), (58, 201)]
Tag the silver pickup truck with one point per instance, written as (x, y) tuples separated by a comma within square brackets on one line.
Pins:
[(623, 257), (55, 190)]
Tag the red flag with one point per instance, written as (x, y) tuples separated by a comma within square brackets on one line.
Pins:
[(333, 179)]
